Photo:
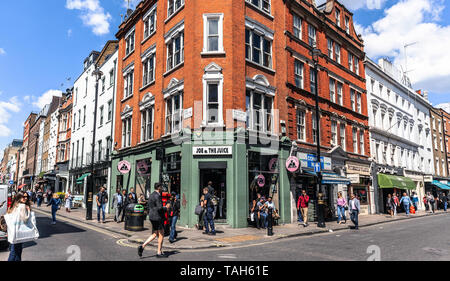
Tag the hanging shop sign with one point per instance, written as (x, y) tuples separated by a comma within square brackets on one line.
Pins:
[(239, 115), (357, 168), (124, 167), (273, 165), (292, 164), (212, 150)]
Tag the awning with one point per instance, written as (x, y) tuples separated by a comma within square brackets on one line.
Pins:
[(81, 179), (441, 185), (332, 178), (391, 181)]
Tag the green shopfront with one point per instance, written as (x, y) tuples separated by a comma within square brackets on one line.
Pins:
[(237, 169)]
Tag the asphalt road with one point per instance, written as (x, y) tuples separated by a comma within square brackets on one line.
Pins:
[(421, 239)]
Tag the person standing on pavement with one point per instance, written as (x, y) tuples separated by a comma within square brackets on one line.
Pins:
[(135, 199), (396, 203), (208, 217), (262, 214), (156, 215), (390, 205), (173, 216), (55, 202), (23, 206), (117, 205), (406, 202), (302, 204), (341, 203), (69, 198), (430, 200), (124, 204), (102, 200), (445, 201), (39, 197), (199, 225), (49, 195), (415, 201), (354, 206)]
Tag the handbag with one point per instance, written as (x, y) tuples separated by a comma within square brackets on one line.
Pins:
[(198, 210), (20, 231), (252, 217)]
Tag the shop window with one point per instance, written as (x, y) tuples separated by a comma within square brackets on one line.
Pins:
[(171, 172), (143, 177)]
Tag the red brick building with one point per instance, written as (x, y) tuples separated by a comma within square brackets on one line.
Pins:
[(446, 125), (187, 68), (63, 141)]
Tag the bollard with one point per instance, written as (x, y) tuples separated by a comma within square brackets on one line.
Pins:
[(270, 223)]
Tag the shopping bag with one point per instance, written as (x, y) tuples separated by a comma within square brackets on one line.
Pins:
[(412, 210), (20, 231), (198, 210), (252, 217)]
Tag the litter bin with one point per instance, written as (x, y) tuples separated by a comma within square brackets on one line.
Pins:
[(134, 217)]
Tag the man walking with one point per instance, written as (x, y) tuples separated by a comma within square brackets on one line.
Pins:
[(302, 204), (355, 208), (156, 215), (102, 199), (208, 217), (406, 202), (396, 203), (173, 216), (124, 205), (445, 201), (117, 205)]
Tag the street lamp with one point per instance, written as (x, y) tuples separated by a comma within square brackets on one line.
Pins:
[(90, 188), (315, 53)]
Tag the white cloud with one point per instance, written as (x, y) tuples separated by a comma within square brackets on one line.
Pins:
[(6, 109), (93, 15), (411, 21), (2, 51), (46, 98), (69, 33)]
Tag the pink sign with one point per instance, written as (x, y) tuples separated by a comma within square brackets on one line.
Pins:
[(273, 165), (261, 180), (292, 164), (124, 167)]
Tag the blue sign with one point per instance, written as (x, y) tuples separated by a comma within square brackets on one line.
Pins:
[(317, 167), (312, 162), (11, 182)]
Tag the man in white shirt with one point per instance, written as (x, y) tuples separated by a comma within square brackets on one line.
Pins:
[(355, 208)]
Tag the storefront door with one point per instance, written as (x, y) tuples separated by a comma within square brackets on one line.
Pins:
[(218, 179)]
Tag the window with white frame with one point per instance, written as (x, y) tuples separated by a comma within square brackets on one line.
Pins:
[(126, 132), (298, 73), (332, 90), (312, 80), (337, 49), (297, 27), (103, 84), (148, 70), (212, 102), (173, 6), (330, 48), (350, 64), (111, 77), (311, 35), (99, 150), (174, 108), (263, 5), (128, 84), (84, 115), (259, 108), (213, 95), (74, 121), (110, 108), (150, 22), (129, 42), (353, 99), (147, 124), (334, 140), (358, 103), (258, 48), (342, 135), (301, 127), (101, 114), (356, 65), (213, 33), (175, 51), (361, 141), (338, 17), (355, 140), (347, 25), (339, 93), (314, 127)]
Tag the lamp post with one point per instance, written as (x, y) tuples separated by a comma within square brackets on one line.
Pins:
[(319, 205), (90, 188)]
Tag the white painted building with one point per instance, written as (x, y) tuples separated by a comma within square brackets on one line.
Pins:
[(83, 122), (399, 120), (53, 140)]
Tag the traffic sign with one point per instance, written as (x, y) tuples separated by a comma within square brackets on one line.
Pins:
[(317, 167)]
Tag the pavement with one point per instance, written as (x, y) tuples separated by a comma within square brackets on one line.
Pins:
[(189, 239)]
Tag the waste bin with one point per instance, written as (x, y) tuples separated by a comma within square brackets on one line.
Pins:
[(134, 217)]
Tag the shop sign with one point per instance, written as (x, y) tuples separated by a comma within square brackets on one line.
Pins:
[(355, 168), (292, 164), (310, 160), (428, 178), (354, 178), (239, 115), (261, 180), (212, 150), (187, 113), (124, 167)]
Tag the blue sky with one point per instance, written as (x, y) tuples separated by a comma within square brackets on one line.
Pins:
[(47, 41)]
